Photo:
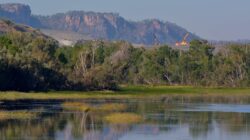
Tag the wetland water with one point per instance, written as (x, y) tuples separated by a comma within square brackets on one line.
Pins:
[(103, 119)]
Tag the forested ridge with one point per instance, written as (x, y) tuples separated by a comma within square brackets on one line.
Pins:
[(31, 61)]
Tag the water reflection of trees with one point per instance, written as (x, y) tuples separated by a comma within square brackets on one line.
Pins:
[(90, 125), (199, 123), (28, 129), (68, 126), (234, 122)]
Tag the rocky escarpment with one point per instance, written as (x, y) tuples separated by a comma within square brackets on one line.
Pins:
[(95, 25), (113, 27), (18, 13)]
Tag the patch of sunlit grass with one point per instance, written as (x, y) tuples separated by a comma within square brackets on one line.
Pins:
[(112, 107), (123, 118), (76, 106), (142, 91), (19, 115)]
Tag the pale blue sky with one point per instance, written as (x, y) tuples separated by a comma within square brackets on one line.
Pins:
[(210, 19)]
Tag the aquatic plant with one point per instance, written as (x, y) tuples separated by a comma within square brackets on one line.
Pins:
[(76, 106), (112, 107), (5, 115), (123, 118)]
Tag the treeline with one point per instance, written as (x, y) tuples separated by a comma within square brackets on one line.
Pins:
[(120, 62), (29, 62)]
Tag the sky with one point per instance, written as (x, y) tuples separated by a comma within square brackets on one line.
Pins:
[(210, 19)]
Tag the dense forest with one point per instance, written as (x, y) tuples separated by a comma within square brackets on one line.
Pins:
[(34, 62)]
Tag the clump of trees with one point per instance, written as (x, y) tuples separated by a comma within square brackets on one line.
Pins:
[(29, 62)]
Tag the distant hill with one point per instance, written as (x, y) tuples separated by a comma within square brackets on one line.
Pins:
[(7, 26), (108, 26)]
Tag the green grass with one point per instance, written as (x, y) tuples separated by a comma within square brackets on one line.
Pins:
[(126, 92), (145, 90)]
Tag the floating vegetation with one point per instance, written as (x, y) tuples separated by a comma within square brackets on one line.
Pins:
[(19, 115), (76, 106), (123, 118), (112, 107)]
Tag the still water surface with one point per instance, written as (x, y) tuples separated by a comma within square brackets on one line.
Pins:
[(160, 121)]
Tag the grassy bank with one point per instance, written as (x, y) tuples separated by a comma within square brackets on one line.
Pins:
[(128, 92)]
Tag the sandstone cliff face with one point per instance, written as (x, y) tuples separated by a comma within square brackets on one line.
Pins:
[(17, 9), (97, 25), (18, 13), (107, 26)]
